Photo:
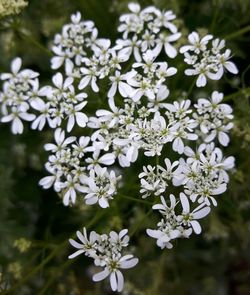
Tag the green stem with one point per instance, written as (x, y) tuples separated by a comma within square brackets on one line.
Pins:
[(137, 226), (156, 160), (237, 33), (48, 258), (35, 42), (55, 275), (243, 76), (215, 17), (35, 270), (191, 88), (135, 199), (244, 91), (157, 164)]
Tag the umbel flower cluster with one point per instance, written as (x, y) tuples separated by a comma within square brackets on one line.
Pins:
[(106, 250), (137, 116)]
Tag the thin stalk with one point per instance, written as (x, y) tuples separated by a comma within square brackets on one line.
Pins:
[(135, 199), (191, 88), (35, 42), (243, 76), (141, 221), (47, 259), (244, 91), (215, 17), (237, 33), (55, 275)]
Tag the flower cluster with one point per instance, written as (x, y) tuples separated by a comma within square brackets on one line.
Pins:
[(203, 176), (60, 103), (214, 118), (20, 89), (8, 7), (177, 225), (107, 252), (73, 173), (206, 59), (73, 43), (147, 29), (138, 116)]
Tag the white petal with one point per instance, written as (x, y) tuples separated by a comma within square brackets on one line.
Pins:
[(231, 67), (58, 80), (17, 126), (94, 86), (129, 263), (75, 244), (100, 275), (223, 138), (75, 254), (112, 90), (170, 50), (16, 65), (103, 202), (113, 281), (107, 159), (84, 82), (201, 213), (184, 203), (56, 62), (71, 123), (201, 81), (81, 119), (120, 281), (196, 226)]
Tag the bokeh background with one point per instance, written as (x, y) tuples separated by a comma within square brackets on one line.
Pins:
[(35, 226)]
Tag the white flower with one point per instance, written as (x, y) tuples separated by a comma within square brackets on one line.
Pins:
[(16, 65), (151, 182), (196, 44), (214, 118), (106, 251), (117, 83), (75, 115), (127, 47), (206, 58), (111, 117), (228, 65), (15, 118), (157, 103), (113, 270), (90, 77), (99, 186), (60, 140), (73, 41), (190, 218), (70, 187), (120, 239), (20, 88), (106, 159), (165, 41), (44, 109), (86, 246)]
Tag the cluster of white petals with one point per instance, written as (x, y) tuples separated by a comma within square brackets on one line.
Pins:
[(19, 91), (147, 29), (137, 116), (206, 59), (107, 251), (176, 223), (214, 118), (73, 43), (72, 173)]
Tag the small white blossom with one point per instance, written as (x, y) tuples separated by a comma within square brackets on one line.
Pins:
[(106, 251)]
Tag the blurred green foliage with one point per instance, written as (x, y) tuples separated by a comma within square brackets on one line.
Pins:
[(35, 226)]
